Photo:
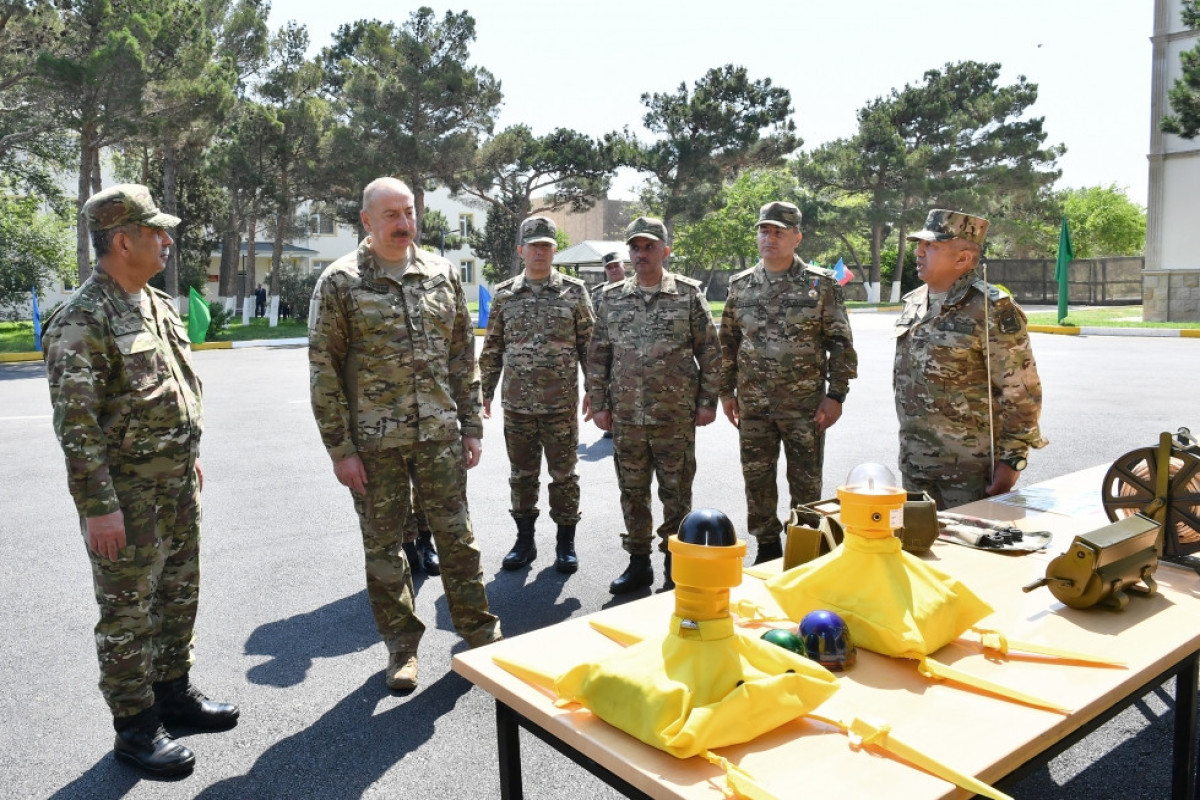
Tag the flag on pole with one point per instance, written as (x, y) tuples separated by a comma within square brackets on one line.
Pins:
[(37, 321), (485, 305), (198, 316), (1065, 253), (841, 274)]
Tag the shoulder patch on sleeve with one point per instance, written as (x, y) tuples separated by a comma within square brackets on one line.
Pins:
[(1008, 319)]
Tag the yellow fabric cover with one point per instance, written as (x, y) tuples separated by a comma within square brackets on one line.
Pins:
[(893, 602), (698, 688)]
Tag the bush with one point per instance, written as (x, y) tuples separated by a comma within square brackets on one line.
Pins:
[(218, 321)]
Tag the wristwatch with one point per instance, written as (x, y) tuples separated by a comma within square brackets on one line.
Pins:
[(839, 396), (1018, 463)]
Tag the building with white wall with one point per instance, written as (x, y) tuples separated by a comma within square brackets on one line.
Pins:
[(1171, 280)]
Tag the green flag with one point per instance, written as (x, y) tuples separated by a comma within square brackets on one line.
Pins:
[(198, 316), (1065, 253)]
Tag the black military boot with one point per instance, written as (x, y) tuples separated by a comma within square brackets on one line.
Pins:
[(179, 701), (638, 575), (413, 557), (668, 578), (525, 550), (429, 556), (566, 560), (768, 551), (141, 741)]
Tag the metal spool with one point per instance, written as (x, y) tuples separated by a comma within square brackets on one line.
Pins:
[(1135, 483)]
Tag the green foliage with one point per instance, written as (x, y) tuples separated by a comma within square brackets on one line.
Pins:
[(1184, 96), (408, 103), (887, 269), (34, 250), (295, 290), (1104, 222), (517, 174), (437, 234), (725, 125), (218, 322)]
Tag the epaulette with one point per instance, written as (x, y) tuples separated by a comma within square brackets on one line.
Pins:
[(695, 284), (166, 298), (573, 280), (742, 275), (994, 293), (820, 271), (506, 284)]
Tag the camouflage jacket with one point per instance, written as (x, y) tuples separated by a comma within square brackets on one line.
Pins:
[(781, 341), (940, 378), (124, 391), (652, 362), (391, 364), (538, 340)]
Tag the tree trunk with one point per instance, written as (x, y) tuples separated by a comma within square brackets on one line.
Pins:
[(97, 178), (171, 206), (901, 253), (81, 229), (246, 284)]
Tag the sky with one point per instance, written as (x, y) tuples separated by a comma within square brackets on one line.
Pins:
[(585, 65)]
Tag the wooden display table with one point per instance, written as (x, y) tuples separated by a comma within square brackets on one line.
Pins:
[(993, 739)]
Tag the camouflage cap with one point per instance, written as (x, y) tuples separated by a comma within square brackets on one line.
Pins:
[(125, 204), (942, 225), (612, 258), (646, 228), (783, 215), (538, 229)]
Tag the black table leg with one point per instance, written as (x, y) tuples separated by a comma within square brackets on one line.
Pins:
[(1183, 770), (508, 742)]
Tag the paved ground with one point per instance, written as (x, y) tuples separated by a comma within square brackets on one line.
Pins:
[(285, 629)]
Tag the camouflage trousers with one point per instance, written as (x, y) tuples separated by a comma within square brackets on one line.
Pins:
[(439, 476), (527, 436), (804, 450), (148, 597), (417, 521), (667, 452), (951, 491)]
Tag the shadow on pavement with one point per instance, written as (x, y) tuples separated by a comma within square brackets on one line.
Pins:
[(349, 748), (294, 643)]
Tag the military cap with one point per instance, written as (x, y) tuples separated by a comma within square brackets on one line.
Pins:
[(538, 229), (942, 225), (125, 204), (647, 228), (783, 215), (611, 258)]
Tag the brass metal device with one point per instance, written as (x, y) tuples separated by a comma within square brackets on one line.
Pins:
[(1104, 566)]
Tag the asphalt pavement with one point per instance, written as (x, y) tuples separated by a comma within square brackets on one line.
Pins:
[(285, 629)]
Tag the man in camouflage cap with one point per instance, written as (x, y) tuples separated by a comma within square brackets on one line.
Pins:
[(538, 333), (395, 389), (967, 390), (652, 378), (787, 358), (127, 412)]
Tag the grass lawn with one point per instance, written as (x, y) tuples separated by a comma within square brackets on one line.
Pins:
[(260, 328), (1106, 317)]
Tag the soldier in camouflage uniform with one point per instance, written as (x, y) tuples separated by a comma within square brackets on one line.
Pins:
[(395, 389), (966, 384), (538, 333), (784, 336), (652, 378), (127, 412), (614, 272)]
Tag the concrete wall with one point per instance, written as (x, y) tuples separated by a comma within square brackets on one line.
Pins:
[(1172, 235)]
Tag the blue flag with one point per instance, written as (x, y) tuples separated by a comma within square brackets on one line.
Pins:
[(37, 321), (485, 305)]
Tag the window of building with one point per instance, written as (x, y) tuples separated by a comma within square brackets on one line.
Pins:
[(319, 266), (322, 224), (468, 271), (466, 224)]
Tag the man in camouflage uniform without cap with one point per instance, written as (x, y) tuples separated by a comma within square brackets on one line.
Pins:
[(127, 412), (538, 333), (395, 388), (652, 378), (787, 361), (967, 390)]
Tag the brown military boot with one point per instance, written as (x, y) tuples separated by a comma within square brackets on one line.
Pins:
[(401, 671)]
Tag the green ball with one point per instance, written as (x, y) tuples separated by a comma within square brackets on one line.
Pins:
[(786, 639)]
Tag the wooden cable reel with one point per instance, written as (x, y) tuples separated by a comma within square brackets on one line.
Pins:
[(1162, 483)]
